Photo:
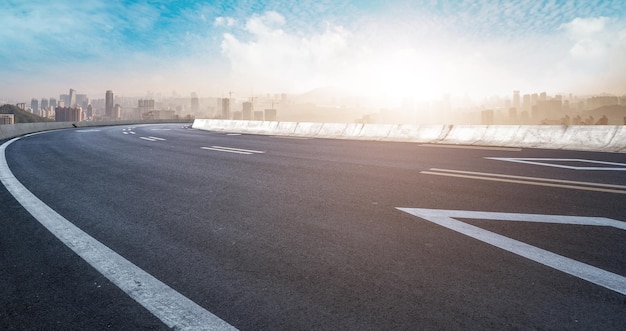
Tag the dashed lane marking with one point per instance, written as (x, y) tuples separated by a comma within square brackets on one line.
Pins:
[(152, 138), (233, 150), (446, 218), (569, 184), (172, 308)]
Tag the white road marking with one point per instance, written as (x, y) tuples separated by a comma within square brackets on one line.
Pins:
[(233, 150), (125, 132), (581, 270), (233, 134), (533, 178), (546, 163), (152, 138), (489, 148), (88, 130), (171, 307), (527, 180)]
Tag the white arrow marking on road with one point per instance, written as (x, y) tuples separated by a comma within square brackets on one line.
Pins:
[(587, 272), (172, 308)]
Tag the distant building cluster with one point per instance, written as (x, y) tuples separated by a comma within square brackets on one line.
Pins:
[(327, 106), (540, 108)]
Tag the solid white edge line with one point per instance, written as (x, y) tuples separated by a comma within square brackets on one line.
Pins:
[(171, 307), (575, 268)]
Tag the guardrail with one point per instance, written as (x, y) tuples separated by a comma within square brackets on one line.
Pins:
[(607, 138), (8, 131)]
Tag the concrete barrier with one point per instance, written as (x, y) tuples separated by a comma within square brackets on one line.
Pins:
[(588, 137), (307, 129), (8, 131), (285, 128), (618, 141), (418, 133), (332, 130), (499, 135), (375, 131), (592, 137), (464, 134)]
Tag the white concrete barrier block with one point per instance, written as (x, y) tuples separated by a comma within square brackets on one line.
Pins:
[(332, 130), (618, 141), (417, 133), (588, 137), (499, 135), (376, 131), (285, 128), (540, 136), (465, 134), (308, 129), (353, 130)]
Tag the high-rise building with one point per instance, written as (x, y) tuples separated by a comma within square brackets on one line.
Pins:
[(117, 112), (108, 104), (82, 100), (270, 115), (44, 106), (7, 119), (34, 106), (246, 111), (68, 114), (145, 107), (53, 103), (64, 99), (526, 105), (195, 104), (72, 101), (516, 101), (21, 105), (226, 108)]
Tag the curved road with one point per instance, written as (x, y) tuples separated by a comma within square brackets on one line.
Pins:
[(289, 234)]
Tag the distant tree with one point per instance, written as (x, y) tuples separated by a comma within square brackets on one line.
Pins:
[(22, 116)]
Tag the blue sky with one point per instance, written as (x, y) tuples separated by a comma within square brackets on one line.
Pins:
[(397, 48)]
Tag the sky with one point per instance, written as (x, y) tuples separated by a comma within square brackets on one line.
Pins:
[(420, 49)]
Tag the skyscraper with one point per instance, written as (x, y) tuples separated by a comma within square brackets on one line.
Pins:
[(516, 101), (72, 102), (247, 111), (195, 105), (108, 104), (226, 108), (34, 106)]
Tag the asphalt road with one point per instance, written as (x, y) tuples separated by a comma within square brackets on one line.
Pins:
[(272, 233)]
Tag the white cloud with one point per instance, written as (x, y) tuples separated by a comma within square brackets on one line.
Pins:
[(224, 21), (595, 58)]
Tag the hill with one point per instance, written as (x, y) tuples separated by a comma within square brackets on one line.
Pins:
[(22, 116)]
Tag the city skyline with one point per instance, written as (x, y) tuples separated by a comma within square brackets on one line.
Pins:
[(423, 49)]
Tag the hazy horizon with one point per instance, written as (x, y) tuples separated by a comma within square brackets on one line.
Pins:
[(421, 49)]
